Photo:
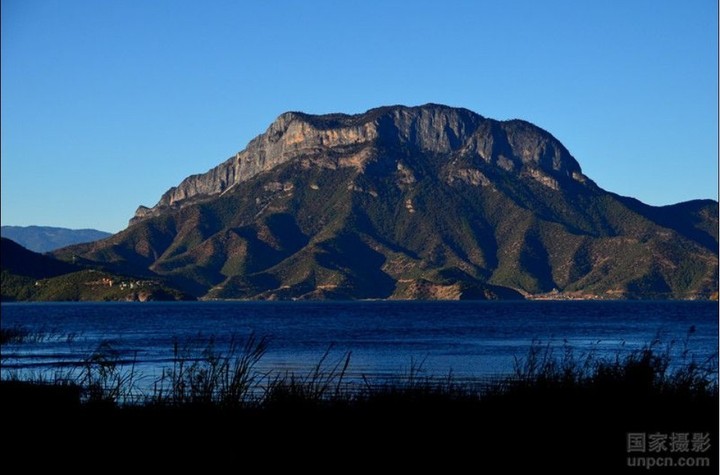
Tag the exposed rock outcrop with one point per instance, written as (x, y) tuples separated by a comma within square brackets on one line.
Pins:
[(512, 146)]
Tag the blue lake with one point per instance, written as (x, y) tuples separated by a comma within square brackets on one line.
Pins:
[(469, 339)]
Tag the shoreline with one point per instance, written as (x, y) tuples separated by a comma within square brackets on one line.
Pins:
[(529, 298)]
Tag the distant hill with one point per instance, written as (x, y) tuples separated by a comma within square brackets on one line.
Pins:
[(46, 238), (20, 261), (26, 275), (428, 202)]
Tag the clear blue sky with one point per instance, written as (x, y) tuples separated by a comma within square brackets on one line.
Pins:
[(107, 104)]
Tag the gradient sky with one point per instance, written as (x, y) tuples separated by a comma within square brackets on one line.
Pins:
[(106, 104)]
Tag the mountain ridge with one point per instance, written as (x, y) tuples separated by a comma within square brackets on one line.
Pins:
[(426, 202), (49, 238), (293, 133)]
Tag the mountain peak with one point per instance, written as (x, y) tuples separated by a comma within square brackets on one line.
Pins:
[(333, 120), (428, 130)]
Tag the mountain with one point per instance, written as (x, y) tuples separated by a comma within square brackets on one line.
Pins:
[(15, 259), (26, 275), (46, 238), (428, 202)]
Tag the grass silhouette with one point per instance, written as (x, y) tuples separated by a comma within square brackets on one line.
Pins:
[(557, 409)]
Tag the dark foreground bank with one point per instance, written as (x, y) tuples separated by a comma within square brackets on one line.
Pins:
[(630, 415)]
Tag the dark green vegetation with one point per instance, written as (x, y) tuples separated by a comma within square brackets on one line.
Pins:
[(26, 275), (47, 238), (411, 203), (555, 411)]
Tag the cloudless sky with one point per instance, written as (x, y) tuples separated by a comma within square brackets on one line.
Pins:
[(107, 104)]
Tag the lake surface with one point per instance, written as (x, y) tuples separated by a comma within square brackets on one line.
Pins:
[(386, 339)]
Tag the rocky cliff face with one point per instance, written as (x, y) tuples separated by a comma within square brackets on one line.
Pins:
[(515, 146)]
